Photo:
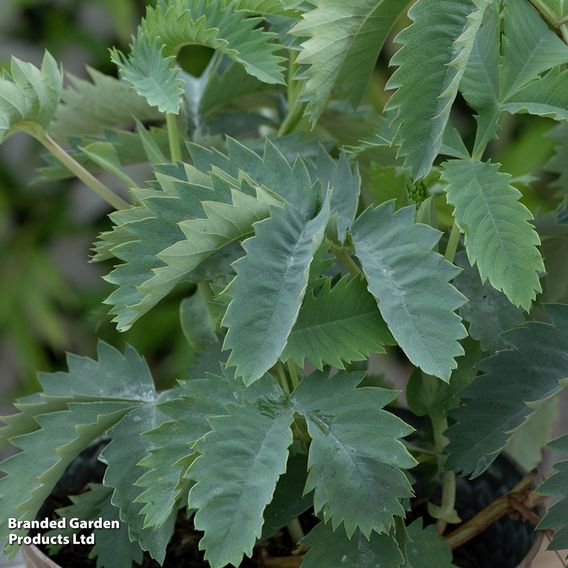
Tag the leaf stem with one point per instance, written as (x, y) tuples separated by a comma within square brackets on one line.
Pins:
[(173, 137), (282, 378), (80, 172), (295, 114), (552, 18), (453, 242), (296, 531), (345, 258)]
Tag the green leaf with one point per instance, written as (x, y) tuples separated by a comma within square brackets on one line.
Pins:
[(425, 548), (480, 84), (289, 500), (434, 54), (344, 41), (557, 486), (530, 47), (514, 382), (230, 501), (328, 548), (488, 312), (558, 164), (337, 325), (356, 457), (151, 74), (29, 96), (411, 285), (544, 97), (345, 184), (122, 455), (197, 211), (268, 289), (219, 25), (106, 156), (498, 235), (196, 323), (171, 448), (90, 107), (113, 548), (45, 455)]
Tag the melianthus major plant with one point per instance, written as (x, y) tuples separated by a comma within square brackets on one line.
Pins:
[(264, 205)]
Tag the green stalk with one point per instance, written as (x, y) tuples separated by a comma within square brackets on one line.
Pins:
[(282, 378), (345, 258), (295, 114), (83, 174), (453, 242), (439, 426), (173, 137)]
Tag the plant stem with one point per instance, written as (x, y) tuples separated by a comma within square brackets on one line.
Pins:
[(296, 531), (453, 242), (552, 18), (82, 173), (345, 258), (295, 114), (173, 137)]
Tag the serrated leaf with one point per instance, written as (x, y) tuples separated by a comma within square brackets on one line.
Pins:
[(532, 370), (29, 96), (557, 486), (289, 500), (488, 312), (328, 548), (197, 211), (498, 236), (480, 84), (411, 285), (543, 97), (269, 287), (356, 457), (122, 455), (530, 47), (435, 52), (112, 548), (151, 73), (171, 449), (337, 325), (345, 185), (230, 501), (216, 24), (426, 548), (90, 107), (345, 38), (45, 455)]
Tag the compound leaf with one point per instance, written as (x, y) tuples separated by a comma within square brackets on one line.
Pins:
[(498, 235), (113, 548), (411, 284), (269, 287), (532, 370), (425, 548), (328, 548), (220, 25), (557, 486), (338, 325), (151, 74), (356, 458), (530, 47), (434, 54), (28, 95), (488, 311), (344, 41), (230, 501)]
